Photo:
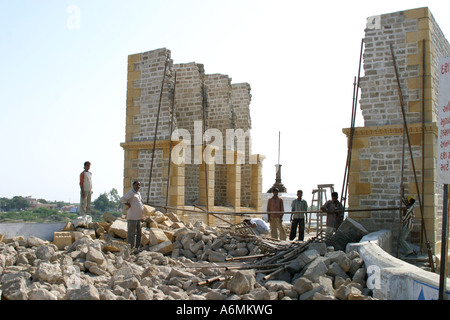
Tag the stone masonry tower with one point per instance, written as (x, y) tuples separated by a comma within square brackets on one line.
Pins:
[(376, 166), (202, 103)]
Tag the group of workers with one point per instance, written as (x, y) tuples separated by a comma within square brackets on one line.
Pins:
[(299, 207), (334, 217), (333, 208)]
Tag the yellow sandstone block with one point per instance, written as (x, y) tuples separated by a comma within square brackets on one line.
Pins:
[(62, 239), (417, 13)]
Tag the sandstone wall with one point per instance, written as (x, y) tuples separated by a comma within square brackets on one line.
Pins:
[(375, 173)]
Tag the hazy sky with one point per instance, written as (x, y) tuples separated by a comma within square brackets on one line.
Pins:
[(64, 72)]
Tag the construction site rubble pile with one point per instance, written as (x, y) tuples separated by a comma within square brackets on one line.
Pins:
[(177, 262)]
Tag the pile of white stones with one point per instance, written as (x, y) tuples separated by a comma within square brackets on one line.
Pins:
[(175, 263)]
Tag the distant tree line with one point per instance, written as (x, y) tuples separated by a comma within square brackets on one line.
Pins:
[(105, 202)]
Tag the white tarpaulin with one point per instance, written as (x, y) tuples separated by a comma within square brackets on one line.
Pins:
[(443, 155)]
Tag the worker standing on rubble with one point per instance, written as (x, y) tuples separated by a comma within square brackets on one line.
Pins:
[(407, 222), (334, 209), (135, 215), (275, 204), (85, 190), (298, 219)]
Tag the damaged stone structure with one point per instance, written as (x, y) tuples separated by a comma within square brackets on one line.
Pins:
[(201, 102), (376, 164)]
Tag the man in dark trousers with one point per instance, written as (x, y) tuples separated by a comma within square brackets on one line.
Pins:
[(298, 219), (135, 215)]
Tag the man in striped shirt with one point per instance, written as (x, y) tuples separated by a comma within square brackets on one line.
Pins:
[(408, 223)]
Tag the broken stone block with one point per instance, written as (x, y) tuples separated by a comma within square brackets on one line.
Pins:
[(335, 270), (35, 241), (169, 234), (303, 285), (277, 285), (119, 229), (320, 296), (195, 247), (320, 247), (360, 276), (156, 236), (344, 262), (242, 282), (48, 272), (109, 217), (148, 210), (306, 257), (315, 269), (355, 265), (144, 293), (349, 231), (258, 294), (45, 252), (82, 221), (15, 289), (95, 256), (310, 294), (163, 247), (85, 292), (173, 217), (215, 256), (327, 284), (41, 294)]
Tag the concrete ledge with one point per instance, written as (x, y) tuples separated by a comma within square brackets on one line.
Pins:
[(43, 231), (391, 278)]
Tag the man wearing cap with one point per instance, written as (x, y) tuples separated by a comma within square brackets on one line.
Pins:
[(334, 209), (275, 204), (407, 222)]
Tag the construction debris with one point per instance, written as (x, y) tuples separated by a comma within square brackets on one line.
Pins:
[(177, 262)]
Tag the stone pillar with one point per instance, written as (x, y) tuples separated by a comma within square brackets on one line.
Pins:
[(233, 182), (177, 185), (256, 199), (207, 183)]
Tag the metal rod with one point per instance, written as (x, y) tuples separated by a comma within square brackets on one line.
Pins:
[(352, 130), (430, 257), (170, 144), (279, 144), (203, 150), (347, 164), (286, 212), (156, 131), (274, 273), (444, 245), (214, 215), (422, 208)]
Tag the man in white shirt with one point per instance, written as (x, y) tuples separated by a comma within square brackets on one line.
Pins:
[(135, 215), (86, 190), (258, 225)]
